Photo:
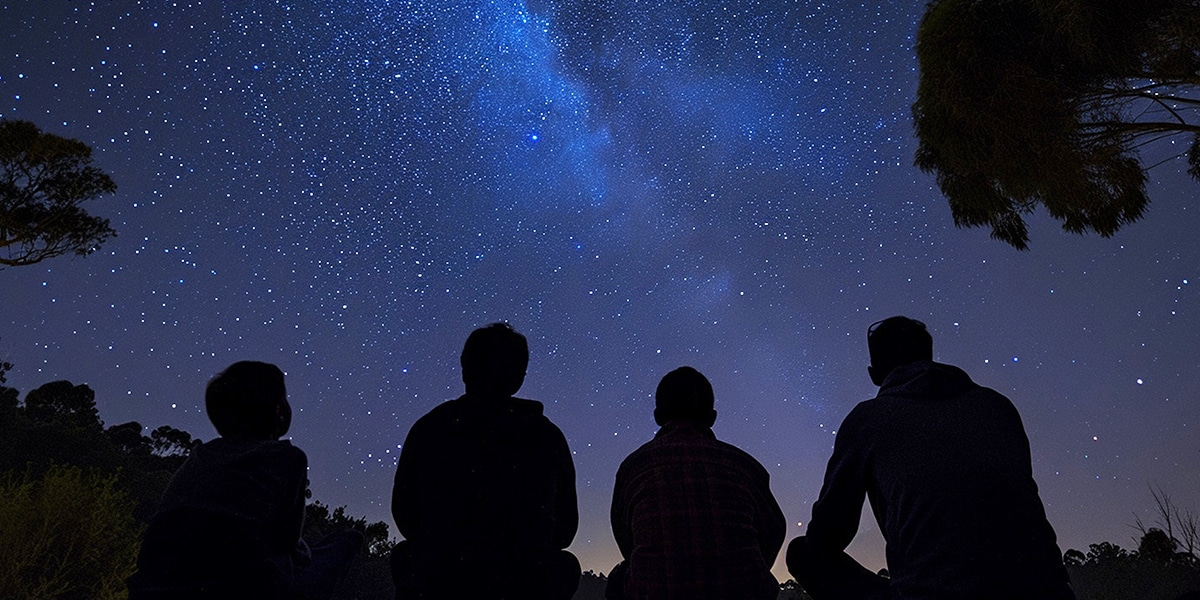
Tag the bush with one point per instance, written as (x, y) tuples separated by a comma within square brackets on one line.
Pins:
[(68, 534)]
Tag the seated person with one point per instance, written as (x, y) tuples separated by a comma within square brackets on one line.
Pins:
[(485, 488), (946, 465), (693, 516), (230, 519)]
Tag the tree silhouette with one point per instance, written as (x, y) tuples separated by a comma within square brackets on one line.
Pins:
[(1106, 552), (168, 441), (8, 396), (1155, 571), (5, 367), (320, 521), (1180, 525), (1024, 103), (43, 179), (58, 424), (64, 402), (790, 590), (1157, 546)]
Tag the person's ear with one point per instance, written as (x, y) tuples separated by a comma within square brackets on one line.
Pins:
[(876, 377), (283, 418)]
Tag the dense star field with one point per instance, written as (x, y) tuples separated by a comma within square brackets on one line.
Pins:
[(347, 189)]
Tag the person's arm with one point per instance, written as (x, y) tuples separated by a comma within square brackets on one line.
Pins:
[(404, 490), (1020, 437), (772, 525), (566, 509), (289, 524), (619, 516), (838, 509)]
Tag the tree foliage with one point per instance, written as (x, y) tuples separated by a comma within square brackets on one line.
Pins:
[(1179, 526), (64, 402), (8, 396), (320, 521), (5, 367), (1157, 546), (58, 424), (1152, 572), (1161, 568), (1027, 103), (43, 180), (1106, 552), (168, 441), (790, 590), (370, 575)]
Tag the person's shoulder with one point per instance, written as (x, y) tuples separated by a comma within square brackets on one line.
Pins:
[(280, 452), (964, 386), (867, 415), (280, 446), (641, 458), (444, 412), (649, 447), (870, 409), (995, 403), (732, 449), (287, 448), (464, 406), (525, 407), (987, 392), (285, 457), (248, 455), (202, 451), (445, 408), (670, 441), (749, 462)]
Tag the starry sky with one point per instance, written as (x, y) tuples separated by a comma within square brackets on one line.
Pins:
[(348, 188)]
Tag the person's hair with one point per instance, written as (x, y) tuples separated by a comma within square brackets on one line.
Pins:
[(245, 401), (895, 342), (684, 395), (494, 360)]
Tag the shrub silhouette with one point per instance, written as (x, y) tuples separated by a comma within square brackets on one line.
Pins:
[(67, 534)]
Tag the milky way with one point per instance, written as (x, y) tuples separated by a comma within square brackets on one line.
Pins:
[(348, 189)]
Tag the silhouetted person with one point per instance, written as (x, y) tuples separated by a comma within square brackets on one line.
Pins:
[(946, 466), (485, 488), (230, 519), (693, 516)]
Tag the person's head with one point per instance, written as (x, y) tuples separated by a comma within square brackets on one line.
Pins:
[(684, 395), (248, 400), (494, 360), (895, 342)]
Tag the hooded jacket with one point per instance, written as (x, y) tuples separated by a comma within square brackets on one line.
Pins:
[(485, 479), (228, 525), (946, 465)]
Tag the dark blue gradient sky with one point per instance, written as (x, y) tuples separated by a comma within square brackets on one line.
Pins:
[(347, 190)]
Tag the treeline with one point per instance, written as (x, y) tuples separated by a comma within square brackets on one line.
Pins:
[(1159, 569)]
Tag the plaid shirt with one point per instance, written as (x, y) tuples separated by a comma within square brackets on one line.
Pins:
[(694, 518)]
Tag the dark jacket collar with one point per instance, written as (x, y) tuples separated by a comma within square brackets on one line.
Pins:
[(927, 380), (685, 428)]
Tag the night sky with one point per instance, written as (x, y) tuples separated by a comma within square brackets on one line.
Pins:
[(348, 190)]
